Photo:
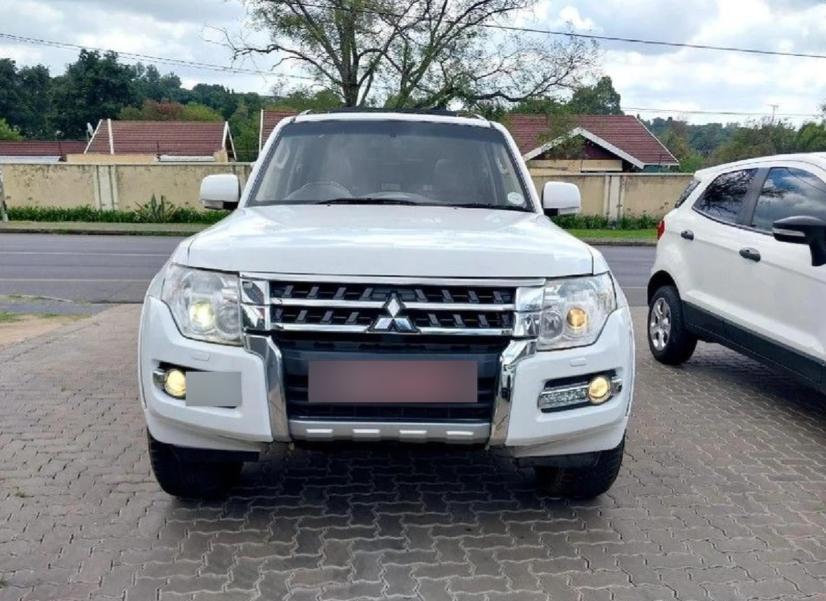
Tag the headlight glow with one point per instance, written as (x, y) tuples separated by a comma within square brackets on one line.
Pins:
[(204, 304), (575, 311)]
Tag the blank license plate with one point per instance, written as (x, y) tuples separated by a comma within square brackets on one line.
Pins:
[(392, 382)]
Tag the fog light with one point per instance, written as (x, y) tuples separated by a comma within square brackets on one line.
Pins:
[(599, 390), (174, 383)]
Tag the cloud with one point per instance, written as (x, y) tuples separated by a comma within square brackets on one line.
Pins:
[(646, 76)]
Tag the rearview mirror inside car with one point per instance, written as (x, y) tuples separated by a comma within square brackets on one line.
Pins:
[(803, 230), (561, 198), (221, 192)]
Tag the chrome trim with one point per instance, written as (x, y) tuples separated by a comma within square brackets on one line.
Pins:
[(255, 318), (255, 292), (466, 331), (516, 352), (290, 327), (530, 299), (265, 348), (480, 307), (327, 304), (455, 433), (417, 306), (526, 325), (158, 377), (321, 278), (279, 327)]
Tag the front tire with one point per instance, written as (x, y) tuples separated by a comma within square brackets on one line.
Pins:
[(668, 339), (583, 483), (192, 477)]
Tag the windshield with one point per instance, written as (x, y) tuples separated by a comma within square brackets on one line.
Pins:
[(390, 162)]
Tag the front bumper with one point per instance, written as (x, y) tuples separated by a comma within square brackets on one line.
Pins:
[(518, 427)]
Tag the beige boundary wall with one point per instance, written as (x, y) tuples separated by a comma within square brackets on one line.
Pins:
[(126, 187)]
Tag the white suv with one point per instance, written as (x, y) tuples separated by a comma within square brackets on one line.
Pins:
[(741, 261), (386, 277)]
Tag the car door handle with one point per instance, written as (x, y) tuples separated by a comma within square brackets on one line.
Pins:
[(687, 234), (750, 254)]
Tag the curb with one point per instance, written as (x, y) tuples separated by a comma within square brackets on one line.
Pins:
[(186, 233), (96, 232), (614, 242)]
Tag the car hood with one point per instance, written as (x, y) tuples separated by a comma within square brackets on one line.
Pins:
[(389, 240)]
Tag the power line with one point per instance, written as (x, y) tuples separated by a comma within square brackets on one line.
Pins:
[(587, 36), (709, 112), (152, 59), (240, 70)]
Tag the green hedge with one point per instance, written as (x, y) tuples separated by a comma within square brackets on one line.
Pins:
[(159, 213), (88, 214), (599, 222)]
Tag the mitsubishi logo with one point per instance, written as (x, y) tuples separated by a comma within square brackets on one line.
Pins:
[(393, 320)]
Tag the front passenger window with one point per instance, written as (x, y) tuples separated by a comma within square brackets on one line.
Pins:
[(789, 192), (724, 197)]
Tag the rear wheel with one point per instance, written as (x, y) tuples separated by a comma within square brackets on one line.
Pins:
[(191, 476), (583, 483), (668, 339)]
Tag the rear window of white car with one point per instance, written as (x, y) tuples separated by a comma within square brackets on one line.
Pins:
[(692, 185)]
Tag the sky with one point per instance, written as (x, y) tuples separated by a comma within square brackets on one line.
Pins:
[(676, 81)]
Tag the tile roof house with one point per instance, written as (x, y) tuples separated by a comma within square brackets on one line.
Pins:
[(610, 143), (39, 151), (269, 119), (152, 141)]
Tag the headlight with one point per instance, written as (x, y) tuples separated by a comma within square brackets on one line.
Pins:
[(575, 311), (204, 304)]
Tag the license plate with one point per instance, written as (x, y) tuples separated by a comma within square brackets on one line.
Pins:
[(392, 382)]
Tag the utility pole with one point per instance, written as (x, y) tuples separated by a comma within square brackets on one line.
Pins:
[(3, 215), (774, 110)]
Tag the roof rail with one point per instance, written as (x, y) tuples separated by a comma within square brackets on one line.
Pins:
[(417, 111), (306, 112)]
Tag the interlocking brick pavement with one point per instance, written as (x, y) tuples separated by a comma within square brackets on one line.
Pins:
[(722, 496)]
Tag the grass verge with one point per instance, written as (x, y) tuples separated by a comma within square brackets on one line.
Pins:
[(647, 234)]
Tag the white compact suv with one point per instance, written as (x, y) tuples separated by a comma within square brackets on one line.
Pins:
[(741, 261), (386, 276)]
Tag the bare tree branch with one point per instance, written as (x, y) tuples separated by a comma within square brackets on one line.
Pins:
[(424, 52)]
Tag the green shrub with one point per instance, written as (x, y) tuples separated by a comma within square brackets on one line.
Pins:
[(600, 222), (146, 214), (157, 212)]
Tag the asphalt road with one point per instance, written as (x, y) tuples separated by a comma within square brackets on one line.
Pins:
[(117, 269)]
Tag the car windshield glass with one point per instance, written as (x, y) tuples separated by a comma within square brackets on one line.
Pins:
[(390, 162)]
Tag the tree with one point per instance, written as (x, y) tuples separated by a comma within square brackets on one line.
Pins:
[(539, 106), (758, 138), (426, 53), (812, 137), (9, 90), (599, 99), (153, 110), (198, 112), (304, 98), (7, 133), (151, 85), (244, 125), (94, 87)]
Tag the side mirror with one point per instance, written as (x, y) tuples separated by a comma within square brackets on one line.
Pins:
[(221, 192), (810, 231), (561, 198)]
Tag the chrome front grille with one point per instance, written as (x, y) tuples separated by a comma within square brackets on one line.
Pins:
[(506, 308)]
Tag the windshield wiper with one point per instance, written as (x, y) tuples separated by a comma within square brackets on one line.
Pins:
[(485, 205), (366, 200)]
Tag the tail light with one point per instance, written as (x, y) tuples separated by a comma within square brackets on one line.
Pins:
[(660, 228)]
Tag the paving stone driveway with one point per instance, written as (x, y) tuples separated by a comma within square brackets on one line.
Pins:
[(722, 496)]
